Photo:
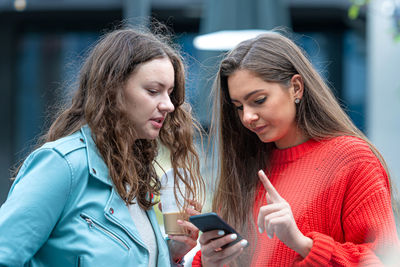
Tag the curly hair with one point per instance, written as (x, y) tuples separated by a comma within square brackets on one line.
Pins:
[(100, 103)]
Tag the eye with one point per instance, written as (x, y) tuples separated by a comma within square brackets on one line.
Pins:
[(152, 91), (260, 101), (238, 107)]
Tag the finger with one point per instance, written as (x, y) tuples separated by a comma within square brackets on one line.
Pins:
[(188, 225), (196, 205), (192, 212), (208, 236), (268, 198), (278, 224), (266, 210), (233, 256), (224, 256), (187, 240), (190, 228), (271, 191), (216, 244), (160, 206), (270, 222), (270, 208)]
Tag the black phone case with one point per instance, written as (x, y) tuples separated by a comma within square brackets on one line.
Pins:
[(211, 221)]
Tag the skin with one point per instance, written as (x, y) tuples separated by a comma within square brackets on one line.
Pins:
[(269, 110), (180, 245), (211, 252), (147, 94), (148, 101), (277, 218)]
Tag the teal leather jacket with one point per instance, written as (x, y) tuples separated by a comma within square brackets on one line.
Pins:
[(62, 210)]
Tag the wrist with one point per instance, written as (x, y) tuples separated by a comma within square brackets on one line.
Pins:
[(304, 246), (176, 260)]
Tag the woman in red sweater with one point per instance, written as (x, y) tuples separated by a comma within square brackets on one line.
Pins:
[(323, 195)]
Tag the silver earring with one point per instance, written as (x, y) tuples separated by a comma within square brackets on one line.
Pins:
[(297, 100)]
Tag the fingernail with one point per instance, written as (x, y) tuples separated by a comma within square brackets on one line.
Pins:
[(179, 221), (233, 236), (244, 243), (262, 172), (221, 233), (260, 230)]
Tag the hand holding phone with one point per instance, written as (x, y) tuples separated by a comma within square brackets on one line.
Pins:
[(211, 221)]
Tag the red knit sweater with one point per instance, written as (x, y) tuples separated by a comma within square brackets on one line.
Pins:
[(339, 195)]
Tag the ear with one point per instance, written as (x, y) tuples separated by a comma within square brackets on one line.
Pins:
[(297, 86)]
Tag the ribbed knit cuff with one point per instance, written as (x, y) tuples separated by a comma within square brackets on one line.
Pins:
[(320, 253), (197, 259)]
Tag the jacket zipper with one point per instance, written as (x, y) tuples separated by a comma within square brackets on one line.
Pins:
[(126, 231), (79, 261), (92, 224)]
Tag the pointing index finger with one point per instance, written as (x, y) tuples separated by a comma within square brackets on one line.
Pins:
[(274, 195)]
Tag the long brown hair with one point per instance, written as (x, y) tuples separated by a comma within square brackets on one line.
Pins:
[(99, 102), (274, 58)]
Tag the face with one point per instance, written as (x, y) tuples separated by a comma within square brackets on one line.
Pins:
[(147, 93), (266, 108)]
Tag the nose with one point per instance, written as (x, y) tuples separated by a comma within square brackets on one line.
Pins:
[(166, 104), (249, 116)]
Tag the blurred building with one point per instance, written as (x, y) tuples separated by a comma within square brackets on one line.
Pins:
[(42, 43)]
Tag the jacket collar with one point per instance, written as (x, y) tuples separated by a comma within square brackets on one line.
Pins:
[(97, 166)]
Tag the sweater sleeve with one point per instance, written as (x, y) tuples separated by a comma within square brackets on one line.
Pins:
[(367, 221), (197, 259)]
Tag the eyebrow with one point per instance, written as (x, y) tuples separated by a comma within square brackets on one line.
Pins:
[(161, 84), (248, 95)]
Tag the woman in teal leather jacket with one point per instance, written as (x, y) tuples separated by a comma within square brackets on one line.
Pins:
[(85, 197)]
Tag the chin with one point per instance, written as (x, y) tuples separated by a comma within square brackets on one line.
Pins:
[(266, 139), (149, 134), (149, 138), (152, 135)]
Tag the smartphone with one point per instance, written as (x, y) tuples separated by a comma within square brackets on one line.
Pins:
[(211, 221)]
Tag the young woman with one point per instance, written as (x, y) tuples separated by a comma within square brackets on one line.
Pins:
[(85, 197), (296, 177)]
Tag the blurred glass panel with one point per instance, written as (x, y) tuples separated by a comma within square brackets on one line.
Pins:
[(46, 71)]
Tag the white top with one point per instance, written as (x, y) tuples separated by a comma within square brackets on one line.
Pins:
[(146, 232)]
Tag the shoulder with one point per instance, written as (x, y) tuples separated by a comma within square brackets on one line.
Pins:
[(349, 157), (356, 160), (348, 142), (59, 158), (54, 169), (66, 145), (349, 147), (71, 148)]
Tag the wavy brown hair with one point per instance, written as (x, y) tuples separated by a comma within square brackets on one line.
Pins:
[(100, 103), (274, 58)]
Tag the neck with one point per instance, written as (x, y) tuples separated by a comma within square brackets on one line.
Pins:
[(295, 139)]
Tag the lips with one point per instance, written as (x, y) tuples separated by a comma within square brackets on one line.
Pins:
[(160, 120), (157, 122), (258, 129)]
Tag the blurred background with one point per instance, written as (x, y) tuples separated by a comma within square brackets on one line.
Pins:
[(354, 44)]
